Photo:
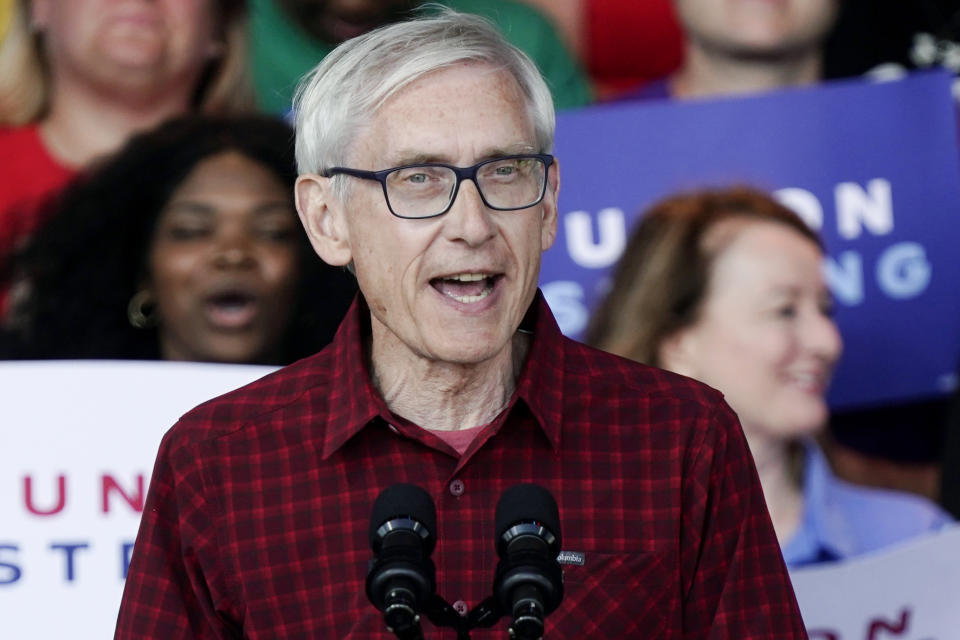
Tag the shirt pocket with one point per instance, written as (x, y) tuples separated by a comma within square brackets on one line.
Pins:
[(613, 595)]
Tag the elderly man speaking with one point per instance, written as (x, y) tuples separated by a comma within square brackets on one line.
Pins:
[(424, 152)]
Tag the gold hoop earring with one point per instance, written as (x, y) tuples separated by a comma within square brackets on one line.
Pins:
[(142, 310)]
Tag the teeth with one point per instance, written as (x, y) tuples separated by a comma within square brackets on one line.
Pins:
[(476, 298), (468, 299), (464, 278), (467, 277), (807, 379)]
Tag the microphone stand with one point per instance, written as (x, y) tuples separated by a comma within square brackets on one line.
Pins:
[(441, 614), (400, 616)]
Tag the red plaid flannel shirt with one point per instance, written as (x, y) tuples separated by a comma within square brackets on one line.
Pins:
[(256, 520)]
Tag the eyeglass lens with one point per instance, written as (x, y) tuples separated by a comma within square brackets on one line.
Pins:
[(423, 191)]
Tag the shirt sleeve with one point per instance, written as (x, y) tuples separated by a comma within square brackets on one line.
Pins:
[(735, 582), (172, 583)]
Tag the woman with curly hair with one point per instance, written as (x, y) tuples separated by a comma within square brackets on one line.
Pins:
[(185, 245)]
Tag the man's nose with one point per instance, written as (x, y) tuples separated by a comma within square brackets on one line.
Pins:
[(233, 249), (469, 219)]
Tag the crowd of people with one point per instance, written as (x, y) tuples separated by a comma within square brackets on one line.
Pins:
[(150, 208)]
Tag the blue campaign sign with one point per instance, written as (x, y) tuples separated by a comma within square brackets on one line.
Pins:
[(874, 167)]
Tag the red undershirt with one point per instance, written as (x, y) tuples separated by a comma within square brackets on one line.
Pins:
[(459, 439)]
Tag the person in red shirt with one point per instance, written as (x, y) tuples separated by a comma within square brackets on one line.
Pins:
[(79, 78), (425, 167)]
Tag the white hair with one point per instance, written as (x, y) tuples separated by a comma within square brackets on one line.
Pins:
[(344, 91)]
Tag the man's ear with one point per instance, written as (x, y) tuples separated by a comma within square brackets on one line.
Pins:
[(548, 208), (323, 217)]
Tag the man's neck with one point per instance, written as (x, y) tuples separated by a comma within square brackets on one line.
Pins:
[(444, 396), (84, 123), (711, 73)]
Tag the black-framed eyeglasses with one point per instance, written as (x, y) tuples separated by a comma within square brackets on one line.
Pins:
[(427, 190)]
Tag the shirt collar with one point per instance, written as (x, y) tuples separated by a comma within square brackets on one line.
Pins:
[(351, 386), (825, 532), (540, 385)]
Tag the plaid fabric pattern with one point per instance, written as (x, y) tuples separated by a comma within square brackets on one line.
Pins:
[(256, 520)]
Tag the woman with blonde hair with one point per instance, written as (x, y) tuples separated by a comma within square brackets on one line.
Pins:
[(726, 286), (79, 77)]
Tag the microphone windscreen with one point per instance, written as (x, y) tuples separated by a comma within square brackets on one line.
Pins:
[(403, 500), (527, 503)]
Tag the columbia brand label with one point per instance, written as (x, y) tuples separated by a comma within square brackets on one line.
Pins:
[(572, 557)]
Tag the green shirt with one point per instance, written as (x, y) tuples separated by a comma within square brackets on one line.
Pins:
[(282, 52)]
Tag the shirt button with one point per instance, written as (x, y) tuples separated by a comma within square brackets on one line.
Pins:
[(460, 607), (456, 489)]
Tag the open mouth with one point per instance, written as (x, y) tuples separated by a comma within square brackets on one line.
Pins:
[(466, 288), (810, 381), (231, 309)]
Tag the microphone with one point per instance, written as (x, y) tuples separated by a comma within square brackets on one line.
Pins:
[(401, 578), (528, 583)]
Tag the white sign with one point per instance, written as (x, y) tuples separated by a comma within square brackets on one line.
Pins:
[(910, 592), (77, 445)]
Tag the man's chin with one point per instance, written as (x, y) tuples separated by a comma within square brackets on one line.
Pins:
[(468, 348)]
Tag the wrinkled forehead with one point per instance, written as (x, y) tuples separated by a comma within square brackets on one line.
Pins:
[(468, 105)]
